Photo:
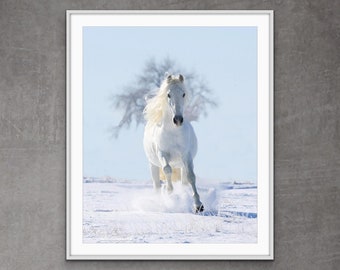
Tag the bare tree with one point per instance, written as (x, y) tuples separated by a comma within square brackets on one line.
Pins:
[(133, 98)]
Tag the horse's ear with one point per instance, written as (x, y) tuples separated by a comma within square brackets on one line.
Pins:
[(181, 78), (169, 78)]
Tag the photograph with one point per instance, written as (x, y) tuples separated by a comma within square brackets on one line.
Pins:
[(169, 134)]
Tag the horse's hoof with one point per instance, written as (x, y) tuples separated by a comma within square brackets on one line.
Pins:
[(157, 190), (199, 208), (169, 189)]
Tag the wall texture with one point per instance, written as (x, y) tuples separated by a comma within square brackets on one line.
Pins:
[(32, 134)]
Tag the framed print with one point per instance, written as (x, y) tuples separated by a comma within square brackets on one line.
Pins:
[(170, 135)]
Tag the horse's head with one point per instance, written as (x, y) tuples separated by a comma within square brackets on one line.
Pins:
[(176, 98)]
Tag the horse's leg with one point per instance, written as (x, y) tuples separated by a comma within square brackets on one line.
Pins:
[(184, 178), (190, 176), (155, 176), (166, 169)]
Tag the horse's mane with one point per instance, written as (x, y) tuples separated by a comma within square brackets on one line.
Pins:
[(154, 109)]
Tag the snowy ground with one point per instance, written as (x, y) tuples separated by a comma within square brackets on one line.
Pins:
[(131, 212)]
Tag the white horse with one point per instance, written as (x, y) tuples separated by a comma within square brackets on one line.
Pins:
[(169, 140)]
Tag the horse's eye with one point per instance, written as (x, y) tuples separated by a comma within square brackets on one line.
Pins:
[(184, 95), (169, 96)]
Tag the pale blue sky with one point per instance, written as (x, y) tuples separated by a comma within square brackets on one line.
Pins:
[(226, 57)]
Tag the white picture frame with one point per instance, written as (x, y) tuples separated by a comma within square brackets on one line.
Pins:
[(75, 248)]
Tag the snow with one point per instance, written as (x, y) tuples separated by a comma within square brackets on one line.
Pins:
[(132, 212)]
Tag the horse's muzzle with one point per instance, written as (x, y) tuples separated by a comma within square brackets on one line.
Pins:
[(178, 120)]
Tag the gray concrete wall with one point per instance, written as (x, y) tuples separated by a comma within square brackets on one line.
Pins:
[(32, 134)]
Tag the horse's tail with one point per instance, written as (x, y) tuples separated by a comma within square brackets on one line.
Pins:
[(175, 176)]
